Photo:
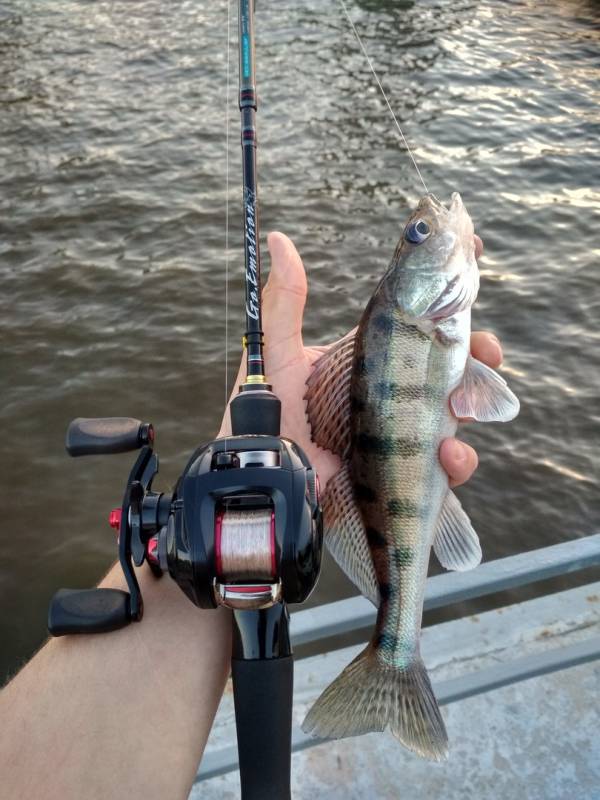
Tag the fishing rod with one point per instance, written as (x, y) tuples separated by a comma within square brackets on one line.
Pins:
[(242, 528)]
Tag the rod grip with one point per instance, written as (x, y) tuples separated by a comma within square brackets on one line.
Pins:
[(255, 413), (263, 691), (96, 436), (88, 611)]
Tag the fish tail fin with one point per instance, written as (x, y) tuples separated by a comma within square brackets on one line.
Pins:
[(370, 695)]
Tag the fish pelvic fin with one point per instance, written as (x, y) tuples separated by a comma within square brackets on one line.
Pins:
[(456, 544), (370, 695)]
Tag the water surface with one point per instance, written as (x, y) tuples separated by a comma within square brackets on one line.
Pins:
[(112, 169)]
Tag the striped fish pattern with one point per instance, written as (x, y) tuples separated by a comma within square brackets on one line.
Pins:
[(396, 388)]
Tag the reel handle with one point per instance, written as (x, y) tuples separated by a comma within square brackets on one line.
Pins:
[(105, 435), (88, 611)]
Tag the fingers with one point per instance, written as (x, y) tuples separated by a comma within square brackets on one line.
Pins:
[(284, 295), (486, 347), (459, 460)]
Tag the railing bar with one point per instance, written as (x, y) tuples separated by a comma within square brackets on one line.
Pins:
[(449, 691), (521, 669), (513, 571), (355, 613)]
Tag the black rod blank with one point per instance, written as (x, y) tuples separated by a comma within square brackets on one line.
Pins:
[(248, 107)]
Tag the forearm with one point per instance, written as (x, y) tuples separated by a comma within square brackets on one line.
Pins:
[(121, 715)]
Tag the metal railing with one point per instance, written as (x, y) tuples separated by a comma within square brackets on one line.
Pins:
[(345, 616)]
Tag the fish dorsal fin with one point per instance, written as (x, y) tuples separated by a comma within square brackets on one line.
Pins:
[(328, 397), (483, 395), (456, 544), (346, 537)]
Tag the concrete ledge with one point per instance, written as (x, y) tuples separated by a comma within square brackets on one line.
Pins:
[(536, 738)]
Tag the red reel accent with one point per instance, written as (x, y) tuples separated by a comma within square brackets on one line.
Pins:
[(248, 589), (152, 551), (273, 548), (218, 534), (114, 519)]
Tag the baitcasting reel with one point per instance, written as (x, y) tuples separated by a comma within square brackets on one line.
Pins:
[(242, 527)]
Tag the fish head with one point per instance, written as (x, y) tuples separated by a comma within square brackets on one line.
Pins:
[(435, 273)]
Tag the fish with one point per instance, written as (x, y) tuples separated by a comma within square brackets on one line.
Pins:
[(383, 398)]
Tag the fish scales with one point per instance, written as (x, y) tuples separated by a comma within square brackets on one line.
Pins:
[(401, 389)]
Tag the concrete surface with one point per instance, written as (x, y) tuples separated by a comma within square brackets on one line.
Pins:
[(534, 740)]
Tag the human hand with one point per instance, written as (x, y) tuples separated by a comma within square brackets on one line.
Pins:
[(288, 363)]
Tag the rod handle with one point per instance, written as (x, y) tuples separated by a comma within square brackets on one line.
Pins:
[(103, 435), (263, 691), (88, 611)]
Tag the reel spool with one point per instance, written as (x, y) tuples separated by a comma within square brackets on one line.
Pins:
[(245, 545)]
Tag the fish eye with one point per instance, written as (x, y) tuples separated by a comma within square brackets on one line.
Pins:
[(417, 232)]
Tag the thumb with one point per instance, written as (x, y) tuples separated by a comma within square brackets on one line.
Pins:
[(284, 296)]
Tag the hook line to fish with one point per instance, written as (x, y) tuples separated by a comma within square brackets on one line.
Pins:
[(381, 89)]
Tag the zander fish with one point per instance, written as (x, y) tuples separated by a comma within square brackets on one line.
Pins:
[(384, 398)]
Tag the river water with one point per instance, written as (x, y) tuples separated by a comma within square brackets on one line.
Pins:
[(112, 230)]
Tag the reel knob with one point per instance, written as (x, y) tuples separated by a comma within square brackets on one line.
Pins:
[(142, 513), (106, 435), (88, 611)]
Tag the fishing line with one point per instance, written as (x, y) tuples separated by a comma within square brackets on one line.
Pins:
[(227, 204), (245, 545), (402, 136)]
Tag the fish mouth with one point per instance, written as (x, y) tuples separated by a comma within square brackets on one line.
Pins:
[(430, 202)]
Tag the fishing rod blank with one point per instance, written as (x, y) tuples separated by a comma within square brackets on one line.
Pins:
[(260, 413)]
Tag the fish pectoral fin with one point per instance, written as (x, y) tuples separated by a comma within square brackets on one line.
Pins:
[(328, 397), (346, 537), (456, 544), (483, 395)]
